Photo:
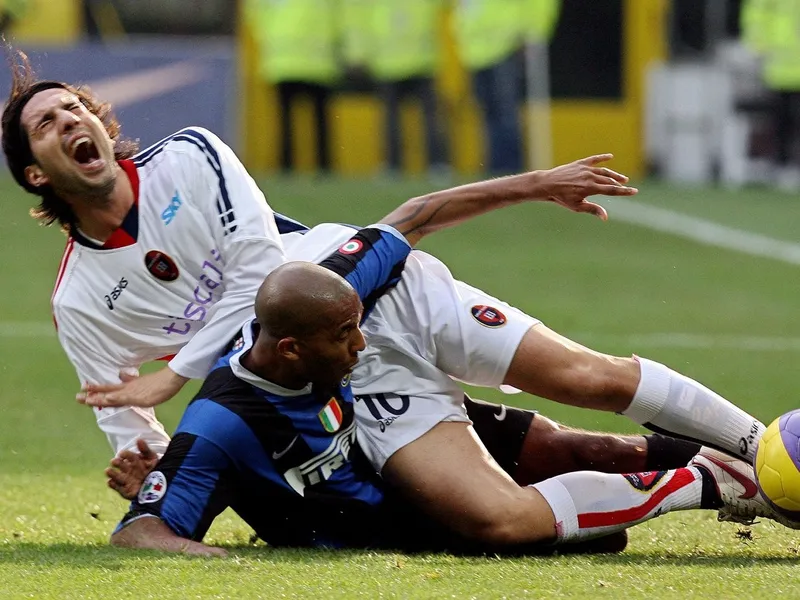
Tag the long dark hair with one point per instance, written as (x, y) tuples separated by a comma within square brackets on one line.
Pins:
[(16, 145)]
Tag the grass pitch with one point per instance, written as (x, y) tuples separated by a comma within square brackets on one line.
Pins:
[(723, 317)]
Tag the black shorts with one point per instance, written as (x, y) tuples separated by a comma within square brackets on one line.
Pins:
[(502, 429)]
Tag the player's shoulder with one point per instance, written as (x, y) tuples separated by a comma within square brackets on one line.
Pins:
[(223, 387), (69, 260), (190, 142), (221, 412)]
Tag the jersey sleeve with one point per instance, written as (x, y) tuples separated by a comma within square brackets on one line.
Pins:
[(187, 489), (371, 261), (245, 233), (122, 426)]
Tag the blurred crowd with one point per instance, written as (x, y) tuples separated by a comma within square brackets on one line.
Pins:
[(734, 74), (771, 30), (394, 48), (512, 53)]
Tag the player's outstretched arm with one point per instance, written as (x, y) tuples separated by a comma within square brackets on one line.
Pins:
[(145, 391), (150, 533), (568, 185)]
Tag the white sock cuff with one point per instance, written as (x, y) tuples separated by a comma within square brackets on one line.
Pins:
[(652, 392), (563, 507)]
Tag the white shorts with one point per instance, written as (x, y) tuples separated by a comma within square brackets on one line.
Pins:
[(421, 335)]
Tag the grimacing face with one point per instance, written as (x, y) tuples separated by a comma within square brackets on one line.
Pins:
[(72, 149), (332, 353)]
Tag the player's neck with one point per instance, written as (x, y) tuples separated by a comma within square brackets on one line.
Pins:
[(98, 217), (270, 367)]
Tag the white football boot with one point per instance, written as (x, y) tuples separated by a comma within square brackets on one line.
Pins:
[(742, 502)]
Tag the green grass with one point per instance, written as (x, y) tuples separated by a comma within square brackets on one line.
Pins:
[(598, 282)]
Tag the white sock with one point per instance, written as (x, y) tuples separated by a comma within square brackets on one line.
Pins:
[(587, 504), (670, 403)]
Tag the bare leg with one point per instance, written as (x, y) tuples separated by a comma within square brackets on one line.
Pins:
[(451, 476), (530, 447), (551, 366), (464, 488)]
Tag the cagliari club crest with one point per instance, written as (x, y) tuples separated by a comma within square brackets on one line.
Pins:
[(161, 266)]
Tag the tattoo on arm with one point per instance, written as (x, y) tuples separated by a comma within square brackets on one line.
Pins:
[(409, 224)]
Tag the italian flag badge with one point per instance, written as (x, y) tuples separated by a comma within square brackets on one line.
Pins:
[(331, 416)]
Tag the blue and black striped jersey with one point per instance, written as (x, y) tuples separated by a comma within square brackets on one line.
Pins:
[(286, 460)]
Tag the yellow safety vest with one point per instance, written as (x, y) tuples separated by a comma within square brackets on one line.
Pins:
[(297, 39), (405, 38), (772, 29), (487, 31), (539, 19), (356, 42)]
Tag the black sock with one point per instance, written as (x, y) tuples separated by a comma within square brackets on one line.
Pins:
[(665, 453), (709, 496)]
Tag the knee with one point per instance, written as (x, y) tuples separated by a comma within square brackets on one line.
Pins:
[(564, 448)]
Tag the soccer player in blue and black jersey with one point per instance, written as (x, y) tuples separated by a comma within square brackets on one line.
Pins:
[(271, 432)]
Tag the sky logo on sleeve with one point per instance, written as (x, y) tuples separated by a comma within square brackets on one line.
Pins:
[(169, 213)]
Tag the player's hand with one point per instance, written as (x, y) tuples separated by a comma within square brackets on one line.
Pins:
[(146, 391), (569, 185), (128, 470)]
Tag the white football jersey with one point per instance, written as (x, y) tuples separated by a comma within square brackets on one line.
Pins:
[(177, 278)]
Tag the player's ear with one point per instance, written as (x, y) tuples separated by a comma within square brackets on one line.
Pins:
[(289, 348), (35, 176)]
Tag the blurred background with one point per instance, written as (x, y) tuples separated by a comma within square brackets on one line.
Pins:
[(342, 109), (701, 91)]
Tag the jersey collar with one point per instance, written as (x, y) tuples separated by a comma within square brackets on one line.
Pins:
[(128, 232), (253, 379)]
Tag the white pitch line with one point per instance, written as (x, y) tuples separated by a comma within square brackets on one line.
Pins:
[(27, 329), (702, 231), (754, 343)]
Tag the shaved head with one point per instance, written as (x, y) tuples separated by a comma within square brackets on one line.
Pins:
[(298, 298), (309, 318)]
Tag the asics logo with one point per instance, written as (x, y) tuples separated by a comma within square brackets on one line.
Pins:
[(746, 442), (115, 293), (750, 489)]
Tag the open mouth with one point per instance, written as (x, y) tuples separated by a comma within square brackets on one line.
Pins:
[(85, 153)]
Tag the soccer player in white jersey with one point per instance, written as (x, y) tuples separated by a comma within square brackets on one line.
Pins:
[(58, 148), (159, 249)]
